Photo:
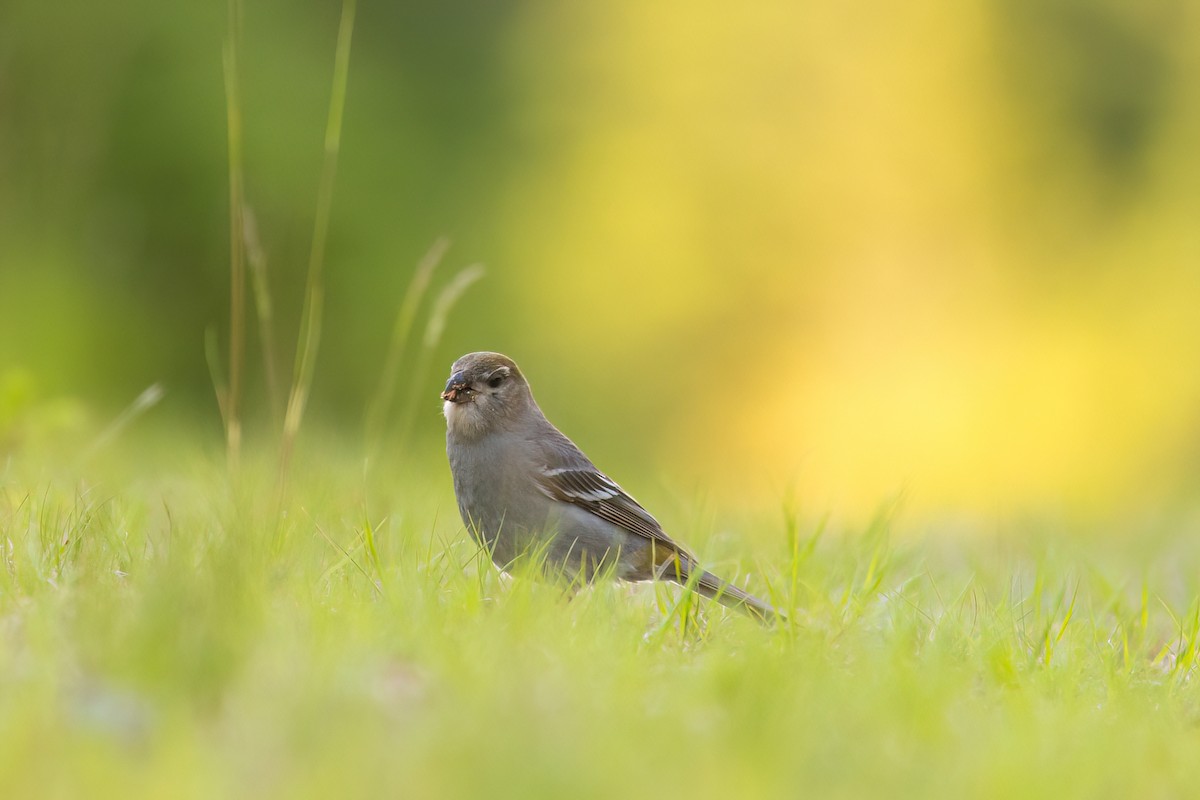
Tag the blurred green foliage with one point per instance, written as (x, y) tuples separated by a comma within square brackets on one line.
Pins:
[(944, 245)]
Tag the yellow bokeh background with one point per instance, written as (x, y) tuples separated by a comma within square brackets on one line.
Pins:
[(903, 277)]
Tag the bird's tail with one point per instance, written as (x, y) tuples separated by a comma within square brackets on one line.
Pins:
[(686, 572)]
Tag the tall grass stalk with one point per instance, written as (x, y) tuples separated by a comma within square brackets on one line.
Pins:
[(237, 261), (385, 391), (446, 300), (145, 401), (264, 311), (310, 323)]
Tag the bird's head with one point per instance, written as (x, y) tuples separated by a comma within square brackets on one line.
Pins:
[(485, 391)]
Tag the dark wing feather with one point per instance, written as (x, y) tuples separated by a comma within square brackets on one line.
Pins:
[(583, 485), (569, 477)]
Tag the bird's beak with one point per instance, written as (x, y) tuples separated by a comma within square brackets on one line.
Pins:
[(458, 390)]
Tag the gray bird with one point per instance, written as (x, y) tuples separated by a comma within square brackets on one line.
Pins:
[(522, 487)]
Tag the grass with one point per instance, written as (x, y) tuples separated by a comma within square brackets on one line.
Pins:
[(163, 634)]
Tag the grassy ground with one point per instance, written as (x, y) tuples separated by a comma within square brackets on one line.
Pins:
[(162, 634)]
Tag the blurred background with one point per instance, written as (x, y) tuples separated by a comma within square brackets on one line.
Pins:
[(845, 250)]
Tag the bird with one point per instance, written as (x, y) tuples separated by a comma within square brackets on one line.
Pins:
[(523, 487)]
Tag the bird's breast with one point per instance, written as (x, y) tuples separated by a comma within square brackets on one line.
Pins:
[(494, 487)]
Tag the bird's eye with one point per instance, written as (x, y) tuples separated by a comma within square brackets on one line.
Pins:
[(496, 380)]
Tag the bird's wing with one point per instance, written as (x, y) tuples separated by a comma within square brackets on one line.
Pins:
[(568, 476)]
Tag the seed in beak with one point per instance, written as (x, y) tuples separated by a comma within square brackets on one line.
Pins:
[(457, 390)]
